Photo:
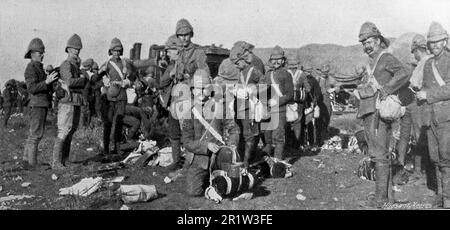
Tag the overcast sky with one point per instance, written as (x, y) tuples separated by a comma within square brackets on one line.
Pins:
[(265, 23)]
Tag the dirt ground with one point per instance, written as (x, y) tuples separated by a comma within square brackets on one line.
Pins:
[(326, 179)]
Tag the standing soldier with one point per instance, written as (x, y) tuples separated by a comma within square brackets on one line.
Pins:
[(412, 118), (97, 84), (192, 56), (436, 94), (39, 87), (168, 99), (281, 94), (312, 99), (245, 90), (386, 75), (328, 85), (301, 88), (86, 71), (69, 106), (117, 71), (208, 128)]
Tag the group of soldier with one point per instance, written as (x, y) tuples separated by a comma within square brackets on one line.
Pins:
[(423, 95), (128, 92), (246, 104)]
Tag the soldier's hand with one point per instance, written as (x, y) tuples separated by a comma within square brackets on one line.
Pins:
[(213, 147), (51, 78)]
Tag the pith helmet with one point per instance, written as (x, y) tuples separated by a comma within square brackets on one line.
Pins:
[(184, 27), (172, 42), (88, 63), (418, 42), (36, 44), (436, 32), (293, 61), (115, 45), (368, 30), (325, 69), (237, 53), (74, 42), (277, 53)]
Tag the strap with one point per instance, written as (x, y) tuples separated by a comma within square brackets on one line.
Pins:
[(117, 68), (295, 75), (275, 86), (248, 76), (436, 74), (207, 126), (371, 71)]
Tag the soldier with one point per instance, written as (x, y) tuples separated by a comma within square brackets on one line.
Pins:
[(86, 70), (313, 98), (207, 129), (386, 75), (97, 84), (168, 96), (39, 87), (255, 61), (435, 93), (281, 94), (191, 56), (328, 85), (301, 89), (411, 121), (244, 91), (118, 72), (10, 95), (69, 106)]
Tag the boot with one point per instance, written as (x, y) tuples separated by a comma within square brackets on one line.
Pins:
[(381, 187), (382, 183), (279, 151), (438, 200), (176, 155), (249, 147), (445, 175), (32, 153), (57, 154)]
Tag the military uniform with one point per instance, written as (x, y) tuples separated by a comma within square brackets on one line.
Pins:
[(116, 98), (326, 82), (196, 138), (301, 89), (40, 100), (69, 107), (438, 100), (274, 131), (390, 75)]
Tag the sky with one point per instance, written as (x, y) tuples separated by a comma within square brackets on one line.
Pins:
[(264, 23)]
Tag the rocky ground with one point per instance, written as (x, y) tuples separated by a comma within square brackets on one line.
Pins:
[(324, 180)]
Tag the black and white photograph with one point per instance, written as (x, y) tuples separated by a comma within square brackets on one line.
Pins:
[(227, 105)]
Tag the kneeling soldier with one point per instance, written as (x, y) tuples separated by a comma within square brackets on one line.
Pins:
[(202, 132)]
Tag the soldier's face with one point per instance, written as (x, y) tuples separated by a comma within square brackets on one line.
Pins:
[(37, 56), (185, 39), (371, 45), (73, 52), (173, 54), (115, 53), (277, 63), (436, 48)]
